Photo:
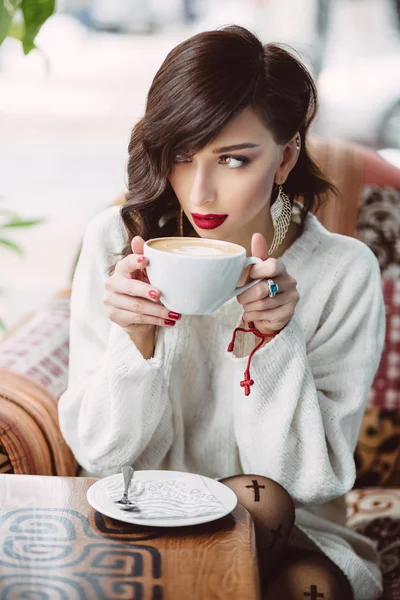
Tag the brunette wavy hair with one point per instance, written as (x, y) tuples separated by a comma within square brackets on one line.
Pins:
[(203, 83)]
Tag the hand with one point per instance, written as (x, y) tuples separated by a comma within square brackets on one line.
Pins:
[(269, 315), (131, 302)]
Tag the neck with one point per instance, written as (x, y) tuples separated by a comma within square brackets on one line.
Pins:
[(262, 223), (291, 236), (267, 230)]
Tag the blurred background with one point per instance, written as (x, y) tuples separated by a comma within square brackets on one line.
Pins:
[(67, 108)]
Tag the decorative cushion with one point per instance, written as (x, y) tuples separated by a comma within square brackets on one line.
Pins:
[(376, 514), (379, 226), (385, 392), (378, 449), (39, 348), (377, 455)]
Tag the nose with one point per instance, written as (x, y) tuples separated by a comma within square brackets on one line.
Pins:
[(203, 189)]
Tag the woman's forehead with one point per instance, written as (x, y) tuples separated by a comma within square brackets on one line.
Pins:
[(246, 128)]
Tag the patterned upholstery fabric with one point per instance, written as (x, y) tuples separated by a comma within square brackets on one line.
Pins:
[(376, 514), (378, 449), (39, 348), (378, 226), (386, 388), (377, 454)]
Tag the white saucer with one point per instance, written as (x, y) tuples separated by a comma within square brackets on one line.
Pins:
[(99, 499)]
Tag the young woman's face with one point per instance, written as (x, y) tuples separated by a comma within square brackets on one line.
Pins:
[(225, 188)]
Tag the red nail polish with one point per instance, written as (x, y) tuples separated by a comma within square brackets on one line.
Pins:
[(140, 259), (251, 325), (174, 315), (168, 322), (153, 295)]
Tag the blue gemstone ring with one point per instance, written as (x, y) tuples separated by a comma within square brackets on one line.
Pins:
[(273, 288)]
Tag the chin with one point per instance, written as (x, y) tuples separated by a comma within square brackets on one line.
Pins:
[(219, 233)]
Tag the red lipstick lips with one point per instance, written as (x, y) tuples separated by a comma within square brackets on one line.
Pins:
[(208, 221)]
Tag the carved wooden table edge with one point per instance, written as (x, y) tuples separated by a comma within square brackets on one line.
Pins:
[(52, 543)]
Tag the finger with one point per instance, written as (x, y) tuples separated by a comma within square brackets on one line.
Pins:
[(140, 305), (132, 287), (268, 269), (267, 304), (259, 247), (126, 319), (131, 264), (278, 316), (137, 245), (260, 290), (257, 292)]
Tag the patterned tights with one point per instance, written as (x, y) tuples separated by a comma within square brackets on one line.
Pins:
[(286, 572)]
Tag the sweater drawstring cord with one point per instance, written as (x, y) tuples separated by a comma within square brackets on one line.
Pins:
[(248, 381)]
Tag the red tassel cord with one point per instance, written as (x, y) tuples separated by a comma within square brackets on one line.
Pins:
[(248, 381)]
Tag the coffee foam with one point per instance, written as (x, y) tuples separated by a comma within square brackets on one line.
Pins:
[(198, 251), (194, 247)]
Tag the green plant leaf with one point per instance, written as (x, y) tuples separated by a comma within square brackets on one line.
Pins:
[(16, 31), (5, 21), (16, 222), (8, 8), (2, 325), (12, 246), (35, 13)]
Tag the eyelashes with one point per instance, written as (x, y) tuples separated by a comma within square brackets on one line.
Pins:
[(179, 158), (232, 161), (243, 160)]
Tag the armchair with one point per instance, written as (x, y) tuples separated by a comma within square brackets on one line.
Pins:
[(34, 360)]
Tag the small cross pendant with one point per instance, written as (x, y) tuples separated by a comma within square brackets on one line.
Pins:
[(246, 383)]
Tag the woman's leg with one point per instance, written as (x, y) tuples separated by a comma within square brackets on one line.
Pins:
[(272, 511), (307, 575), (287, 572)]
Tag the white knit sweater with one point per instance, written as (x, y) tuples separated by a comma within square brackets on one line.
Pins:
[(184, 408)]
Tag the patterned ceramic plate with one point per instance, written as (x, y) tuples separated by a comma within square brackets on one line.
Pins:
[(169, 499)]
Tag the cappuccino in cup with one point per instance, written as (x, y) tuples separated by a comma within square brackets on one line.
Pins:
[(196, 276), (195, 247)]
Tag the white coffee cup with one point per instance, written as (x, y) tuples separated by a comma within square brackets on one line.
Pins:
[(196, 275)]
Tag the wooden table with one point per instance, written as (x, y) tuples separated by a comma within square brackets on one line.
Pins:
[(55, 546)]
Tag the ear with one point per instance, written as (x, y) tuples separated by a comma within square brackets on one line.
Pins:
[(289, 155)]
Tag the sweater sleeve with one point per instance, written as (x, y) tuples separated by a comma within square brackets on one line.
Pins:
[(116, 402), (301, 422)]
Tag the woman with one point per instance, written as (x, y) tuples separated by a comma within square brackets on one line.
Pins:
[(221, 152)]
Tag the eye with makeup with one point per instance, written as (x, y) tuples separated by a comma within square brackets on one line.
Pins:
[(231, 161), (180, 158), (235, 162)]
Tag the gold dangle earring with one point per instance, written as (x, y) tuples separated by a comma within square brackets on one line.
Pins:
[(281, 214), (180, 221)]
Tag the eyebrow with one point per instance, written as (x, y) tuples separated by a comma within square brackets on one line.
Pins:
[(235, 147)]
